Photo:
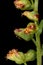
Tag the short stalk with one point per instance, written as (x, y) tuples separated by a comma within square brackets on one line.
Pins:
[(34, 41), (32, 2), (25, 63)]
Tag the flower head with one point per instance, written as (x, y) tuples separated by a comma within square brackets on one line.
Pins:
[(16, 56), (11, 54), (22, 4), (31, 15)]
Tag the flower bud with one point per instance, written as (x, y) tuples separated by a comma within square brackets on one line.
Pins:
[(30, 55), (16, 56), (22, 4), (30, 15)]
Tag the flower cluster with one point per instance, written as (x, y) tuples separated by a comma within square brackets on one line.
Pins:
[(33, 29)]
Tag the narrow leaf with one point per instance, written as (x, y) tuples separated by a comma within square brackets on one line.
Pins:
[(40, 27)]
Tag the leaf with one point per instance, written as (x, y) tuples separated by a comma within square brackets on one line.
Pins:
[(40, 27), (30, 55), (23, 35)]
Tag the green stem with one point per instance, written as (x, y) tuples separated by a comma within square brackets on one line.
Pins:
[(25, 63), (36, 6), (38, 47), (42, 50), (34, 41), (32, 1)]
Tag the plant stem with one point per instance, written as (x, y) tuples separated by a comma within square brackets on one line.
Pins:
[(38, 47), (25, 63), (36, 6)]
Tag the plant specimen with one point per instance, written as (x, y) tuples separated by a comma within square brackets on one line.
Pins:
[(33, 29)]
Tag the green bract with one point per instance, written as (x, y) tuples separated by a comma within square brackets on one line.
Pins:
[(20, 59), (23, 4)]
